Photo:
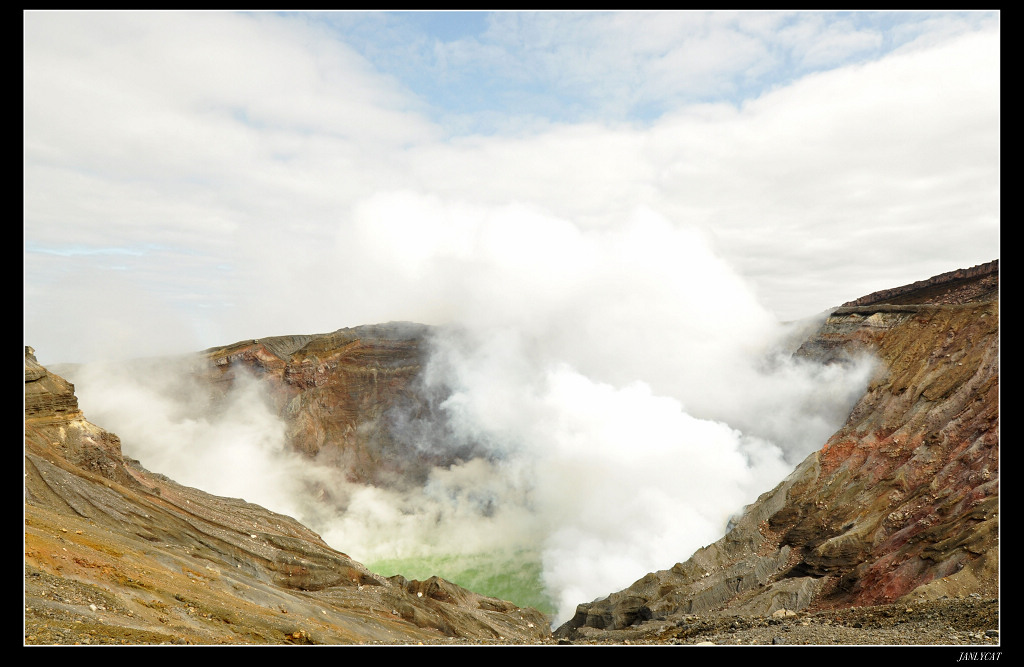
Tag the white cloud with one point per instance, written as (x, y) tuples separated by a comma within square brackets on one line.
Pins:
[(195, 179), (255, 142)]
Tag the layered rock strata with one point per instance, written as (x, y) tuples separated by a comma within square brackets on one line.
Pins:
[(903, 499), (978, 283), (339, 394), (118, 554)]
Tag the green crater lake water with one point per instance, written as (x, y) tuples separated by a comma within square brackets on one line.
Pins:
[(516, 577)]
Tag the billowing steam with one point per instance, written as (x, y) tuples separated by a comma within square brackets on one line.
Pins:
[(621, 388), (229, 446)]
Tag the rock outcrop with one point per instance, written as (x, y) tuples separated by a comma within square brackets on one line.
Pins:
[(902, 501), (339, 393), (978, 283), (118, 554)]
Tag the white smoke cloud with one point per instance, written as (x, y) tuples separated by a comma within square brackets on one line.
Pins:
[(235, 175), (212, 160), (229, 446), (626, 389), (616, 395), (620, 481)]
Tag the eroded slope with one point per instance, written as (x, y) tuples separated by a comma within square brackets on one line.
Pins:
[(904, 498), (117, 554)]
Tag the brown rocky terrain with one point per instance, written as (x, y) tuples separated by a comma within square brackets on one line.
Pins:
[(899, 506), (338, 393), (887, 535), (978, 283), (117, 554)]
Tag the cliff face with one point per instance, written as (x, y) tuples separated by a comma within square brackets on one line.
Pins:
[(117, 554), (338, 393), (902, 500), (978, 283), (53, 422)]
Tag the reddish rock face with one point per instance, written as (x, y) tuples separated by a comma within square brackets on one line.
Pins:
[(340, 393), (902, 500), (912, 478)]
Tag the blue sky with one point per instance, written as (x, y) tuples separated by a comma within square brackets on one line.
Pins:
[(522, 63), (192, 179)]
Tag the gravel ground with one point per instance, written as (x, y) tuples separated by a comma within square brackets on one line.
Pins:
[(963, 621), (61, 611)]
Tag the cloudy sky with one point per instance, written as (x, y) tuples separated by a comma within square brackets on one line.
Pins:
[(193, 179)]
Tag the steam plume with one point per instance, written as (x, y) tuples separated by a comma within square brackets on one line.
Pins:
[(622, 390)]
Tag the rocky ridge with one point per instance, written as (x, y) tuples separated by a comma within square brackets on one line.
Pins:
[(338, 393), (115, 553), (978, 283), (899, 509), (901, 505)]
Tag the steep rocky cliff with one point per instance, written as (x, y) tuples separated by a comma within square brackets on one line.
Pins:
[(902, 501), (117, 554), (338, 393)]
